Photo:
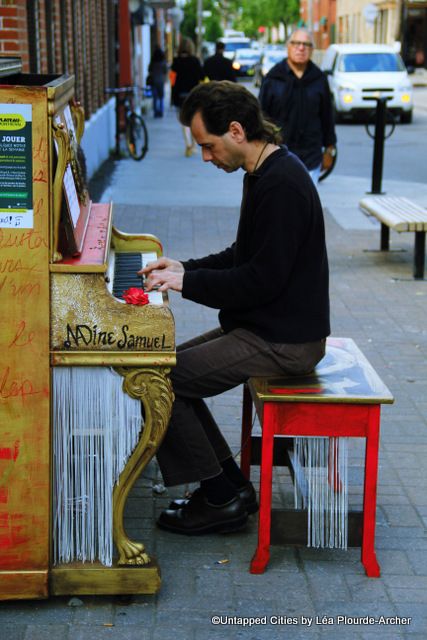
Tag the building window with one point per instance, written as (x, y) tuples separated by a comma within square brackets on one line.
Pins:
[(33, 21), (50, 38)]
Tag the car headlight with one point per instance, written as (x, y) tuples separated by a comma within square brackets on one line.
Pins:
[(346, 94), (406, 93)]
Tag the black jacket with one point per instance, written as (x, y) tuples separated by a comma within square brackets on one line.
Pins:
[(273, 280), (217, 67), (303, 109), (188, 74)]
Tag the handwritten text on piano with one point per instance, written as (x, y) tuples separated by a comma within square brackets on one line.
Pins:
[(84, 335)]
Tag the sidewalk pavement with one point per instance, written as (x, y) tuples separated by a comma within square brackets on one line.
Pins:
[(193, 209)]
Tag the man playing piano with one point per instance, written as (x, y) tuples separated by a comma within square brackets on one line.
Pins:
[(271, 289)]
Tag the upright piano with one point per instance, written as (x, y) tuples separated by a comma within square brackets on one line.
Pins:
[(85, 395)]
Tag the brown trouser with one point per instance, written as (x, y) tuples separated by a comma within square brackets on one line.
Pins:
[(208, 365)]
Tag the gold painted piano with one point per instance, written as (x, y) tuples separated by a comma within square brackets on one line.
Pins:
[(85, 395)]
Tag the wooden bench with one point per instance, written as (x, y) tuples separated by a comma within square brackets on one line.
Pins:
[(399, 214), (341, 398)]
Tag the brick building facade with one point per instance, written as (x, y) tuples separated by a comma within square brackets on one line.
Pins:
[(64, 36), (79, 38)]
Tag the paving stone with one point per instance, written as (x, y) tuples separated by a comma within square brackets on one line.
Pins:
[(53, 611), (259, 632), (142, 613), (135, 632), (404, 515), (417, 613), (394, 562), (353, 609), (13, 631), (385, 633), (364, 589), (172, 630), (337, 588), (45, 632), (96, 612)]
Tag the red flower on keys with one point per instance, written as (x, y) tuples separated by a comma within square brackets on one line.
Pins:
[(135, 296)]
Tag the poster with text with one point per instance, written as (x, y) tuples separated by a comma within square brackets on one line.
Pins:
[(16, 170)]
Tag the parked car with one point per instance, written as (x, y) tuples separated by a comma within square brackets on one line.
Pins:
[(233, 43), (268, 59), (244, 61), (359, 73)]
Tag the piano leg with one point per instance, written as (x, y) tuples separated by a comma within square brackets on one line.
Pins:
[(154, 389)]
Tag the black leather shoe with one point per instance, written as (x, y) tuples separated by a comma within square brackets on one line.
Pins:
[(200, 516), (246, 493)]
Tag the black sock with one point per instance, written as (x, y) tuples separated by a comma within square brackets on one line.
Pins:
[(218, 490), (233, 473)]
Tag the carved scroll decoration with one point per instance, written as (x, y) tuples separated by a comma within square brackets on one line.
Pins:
[(78, 114), (154, 389)]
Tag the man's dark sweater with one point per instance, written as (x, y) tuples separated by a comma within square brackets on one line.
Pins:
[(217, 67), (273, 280), (302, 107)]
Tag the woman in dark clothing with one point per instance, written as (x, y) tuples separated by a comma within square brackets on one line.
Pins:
[(158, 70), (188, 74)]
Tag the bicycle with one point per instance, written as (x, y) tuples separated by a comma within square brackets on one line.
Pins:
[(135, 131)]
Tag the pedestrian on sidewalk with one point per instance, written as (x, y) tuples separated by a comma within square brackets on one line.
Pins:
[(218, 67), (295, 94), (158, 70), (188, 70), (271, 289)]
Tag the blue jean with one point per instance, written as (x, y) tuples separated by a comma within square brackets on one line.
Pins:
[(315, 174), (157, 89)]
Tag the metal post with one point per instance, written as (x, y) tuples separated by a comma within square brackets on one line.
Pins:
[(199, 28), (377, 165), (419, 254), (385, 238)]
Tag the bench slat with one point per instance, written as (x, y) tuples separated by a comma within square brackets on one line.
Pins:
[(398, 213)]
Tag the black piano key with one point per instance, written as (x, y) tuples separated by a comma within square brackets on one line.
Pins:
[(125, 267)]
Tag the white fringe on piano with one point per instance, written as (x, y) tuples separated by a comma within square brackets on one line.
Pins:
[(321, 486), (96, 427)]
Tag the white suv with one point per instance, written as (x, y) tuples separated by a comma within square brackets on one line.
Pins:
[(359, 73)]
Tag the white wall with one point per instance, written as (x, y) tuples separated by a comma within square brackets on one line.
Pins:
[(99, 137)]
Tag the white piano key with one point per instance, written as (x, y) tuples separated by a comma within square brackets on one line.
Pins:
[(148, 257), (155, 297)]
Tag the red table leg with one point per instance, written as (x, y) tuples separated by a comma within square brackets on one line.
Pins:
[(245, 445), (262, 553), (369, 559)]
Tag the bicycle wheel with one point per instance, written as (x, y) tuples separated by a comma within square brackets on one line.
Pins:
[(136, 136)]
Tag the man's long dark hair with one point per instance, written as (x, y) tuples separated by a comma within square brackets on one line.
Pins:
[(222, 102)]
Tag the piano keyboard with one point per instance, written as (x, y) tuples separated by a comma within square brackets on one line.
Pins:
[(125, 275)]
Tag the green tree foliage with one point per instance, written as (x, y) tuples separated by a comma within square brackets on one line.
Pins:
[(212, 24), (244, 15), (252, 14)]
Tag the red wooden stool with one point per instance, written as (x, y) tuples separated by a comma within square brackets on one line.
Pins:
[(342, 397)]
